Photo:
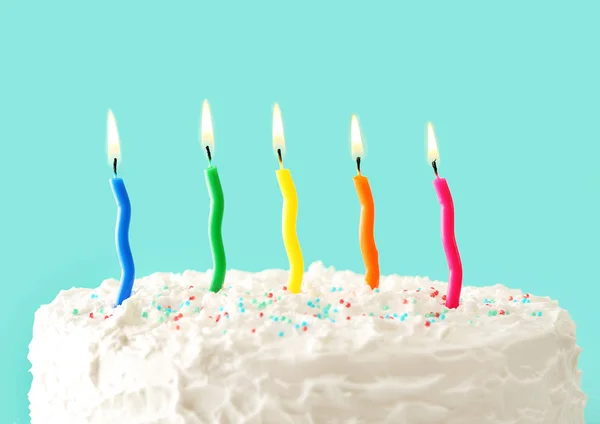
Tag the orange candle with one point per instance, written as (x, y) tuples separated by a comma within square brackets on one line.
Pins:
[(367, 210)]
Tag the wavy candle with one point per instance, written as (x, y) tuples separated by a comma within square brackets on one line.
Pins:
[(455, 271), (123, 215), (367, 210), (217, 203), (290, 208)]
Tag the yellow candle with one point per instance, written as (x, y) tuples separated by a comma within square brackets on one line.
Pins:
[(290, 208)]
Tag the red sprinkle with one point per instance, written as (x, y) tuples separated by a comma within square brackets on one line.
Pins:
[(405, 301), (192, 297), (304, 329), (176, 319), (91, 315), (348, 318), (284, 288), (191, 287), (510, 298), (261, 315), (178, 327), (270, 294), (348, 305), (254, 330), (342, 301), (444, 297), (427, 323), (437, 314), (526, 295), (502, 312), (218, 318)]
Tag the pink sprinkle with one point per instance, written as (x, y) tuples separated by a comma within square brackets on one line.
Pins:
[(284, 288), (218, 318)]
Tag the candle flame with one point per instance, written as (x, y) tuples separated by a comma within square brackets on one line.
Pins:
[(112, 138), (432, 149), (278, 139), (356, 144), (207, 138)]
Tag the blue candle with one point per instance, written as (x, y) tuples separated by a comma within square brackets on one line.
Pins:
[(123, 216)]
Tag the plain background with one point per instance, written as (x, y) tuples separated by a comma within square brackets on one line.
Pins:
[(512, 88)]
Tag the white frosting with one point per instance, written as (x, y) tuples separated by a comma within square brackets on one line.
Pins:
[(502, 357)]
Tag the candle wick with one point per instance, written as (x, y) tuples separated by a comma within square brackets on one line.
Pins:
[(280, 156), (435, 171), (115, 166), (358, 165), (209, 155)]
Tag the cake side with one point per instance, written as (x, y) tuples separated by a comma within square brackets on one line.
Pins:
[(176, 353)]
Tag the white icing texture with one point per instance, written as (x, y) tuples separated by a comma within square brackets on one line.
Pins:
[(175, 353)]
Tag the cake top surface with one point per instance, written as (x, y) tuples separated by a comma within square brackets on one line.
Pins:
[(336, 309)]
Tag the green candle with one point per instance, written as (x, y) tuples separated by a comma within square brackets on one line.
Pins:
[(215, 221), (217, 204)]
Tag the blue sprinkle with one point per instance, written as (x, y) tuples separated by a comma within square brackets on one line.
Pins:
[(386, 316), (339, 289), (377, 290), (275, 319), (402, 318), (432, 321), (539, 314), (297, 326), (332, 289), (317, 300), (187, 303), (304, 324), (159, 307), (332, 320), (395, 315), (242, 310), (319, 316), (335, 310), (281, 334), (442, 317)]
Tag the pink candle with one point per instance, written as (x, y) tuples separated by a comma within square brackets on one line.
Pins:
[(447, 224)]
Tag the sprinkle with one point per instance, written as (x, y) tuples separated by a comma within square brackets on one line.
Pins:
[(144, 314), (427, 323), (75, 311), (270, 295), (101, 310), (348, 305), (218, 318), (305, 328), (94, 296), (442, 317), (281, 334), (261, 315), (165, 287), (254, 330), (177, 327), (159, 307), (539, 314), (196, 309), (341, 301), (91, 315), (284, 288), (339, 289), (348, 318)]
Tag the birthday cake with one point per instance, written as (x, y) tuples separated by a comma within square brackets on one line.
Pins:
[(176, 353)]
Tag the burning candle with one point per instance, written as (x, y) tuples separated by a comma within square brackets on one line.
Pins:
[(217, 202), (367, 210), (123, 213), (290, 207), (447, 224)]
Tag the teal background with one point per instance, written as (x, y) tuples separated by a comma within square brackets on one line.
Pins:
[(512, 88)]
